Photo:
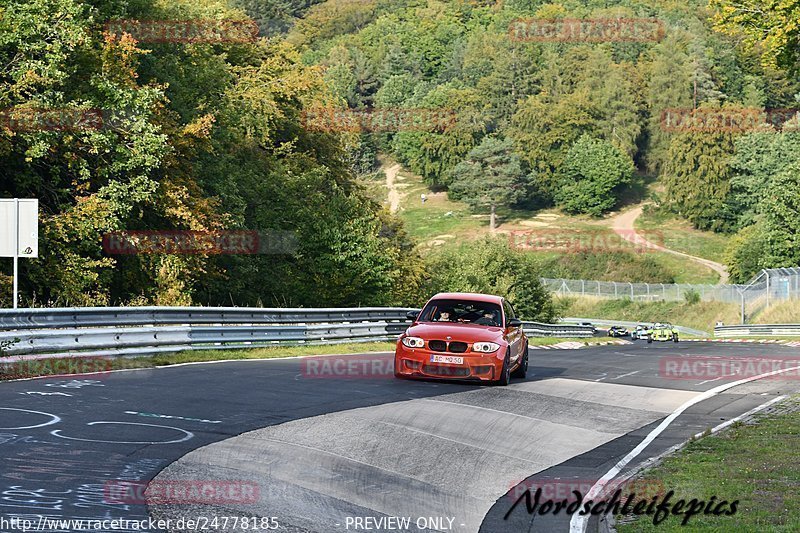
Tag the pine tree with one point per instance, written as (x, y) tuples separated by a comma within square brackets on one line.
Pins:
[(490, 176)]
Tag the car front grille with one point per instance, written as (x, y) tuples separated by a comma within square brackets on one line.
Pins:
[(457, 347), (444, 346), (437, 346)]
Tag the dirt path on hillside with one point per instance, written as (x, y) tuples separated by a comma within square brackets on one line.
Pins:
[(391, 187), (623, 225)]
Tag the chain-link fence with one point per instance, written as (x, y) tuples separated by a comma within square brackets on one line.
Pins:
[(768, 287)]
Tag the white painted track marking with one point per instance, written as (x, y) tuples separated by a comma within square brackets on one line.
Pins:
[(188, 434), (54, 418)]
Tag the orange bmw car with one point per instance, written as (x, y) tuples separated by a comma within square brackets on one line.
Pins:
[(463, 336)]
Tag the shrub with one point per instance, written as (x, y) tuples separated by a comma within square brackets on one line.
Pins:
[(691, 296), (491, 266)]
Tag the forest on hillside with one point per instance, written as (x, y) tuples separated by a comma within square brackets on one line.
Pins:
[(581, 125), (211, 136)]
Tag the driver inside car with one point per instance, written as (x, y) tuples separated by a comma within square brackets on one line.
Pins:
[(489, 318), (444, 316)]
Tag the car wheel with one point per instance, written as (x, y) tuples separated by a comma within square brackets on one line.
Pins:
[(522, 369), (505, 373)]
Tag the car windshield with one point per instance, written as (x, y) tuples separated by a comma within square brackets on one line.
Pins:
[(462, 311)]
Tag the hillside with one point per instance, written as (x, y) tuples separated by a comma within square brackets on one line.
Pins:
[(586, 126), (564, 245)]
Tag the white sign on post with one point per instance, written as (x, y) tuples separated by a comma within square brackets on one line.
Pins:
[(19, 232)]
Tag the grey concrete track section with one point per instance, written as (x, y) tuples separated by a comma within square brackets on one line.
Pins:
[(452, 456)]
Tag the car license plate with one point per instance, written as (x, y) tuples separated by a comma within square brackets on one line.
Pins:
[(451, 359)]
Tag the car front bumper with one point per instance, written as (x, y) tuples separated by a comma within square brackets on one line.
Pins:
[(416, 362)]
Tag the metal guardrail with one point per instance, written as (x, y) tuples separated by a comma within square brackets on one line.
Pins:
[(106, 331), (629, 325), (537, 329), (758, 330), (77, 317)]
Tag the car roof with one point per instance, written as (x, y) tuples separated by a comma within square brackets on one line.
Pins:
[(474, 296)]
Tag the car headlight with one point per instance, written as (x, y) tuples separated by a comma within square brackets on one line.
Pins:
[(413, 342), (485, 347)]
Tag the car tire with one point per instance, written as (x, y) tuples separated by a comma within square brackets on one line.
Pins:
[(522, 369), (505, 373)]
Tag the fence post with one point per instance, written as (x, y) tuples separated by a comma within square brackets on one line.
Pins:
[(631, 284), (742, 293), (663, 292), (583, 287), (615, 288), (767, 289)]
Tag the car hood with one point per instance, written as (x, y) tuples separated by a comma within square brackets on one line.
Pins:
[(458, 332)]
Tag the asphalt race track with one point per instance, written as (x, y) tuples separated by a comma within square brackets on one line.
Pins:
[(323, 447)]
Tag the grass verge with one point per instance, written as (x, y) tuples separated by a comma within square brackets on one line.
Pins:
[(779, 313), (678, 234), (756, 463), (701, 315)]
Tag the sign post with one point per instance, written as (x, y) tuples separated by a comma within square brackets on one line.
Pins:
[(19, 233)]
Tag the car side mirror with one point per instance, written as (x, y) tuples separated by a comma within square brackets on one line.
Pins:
[(412, 315), (515, 323)]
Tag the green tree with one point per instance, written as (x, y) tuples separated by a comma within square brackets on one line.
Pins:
[(433, 154), (544, 128), (771, 25), (746, 252), (593, 173), (667, 76), (782, 219), (758, 158), (491, 266), (697, 177), (490, 176)]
